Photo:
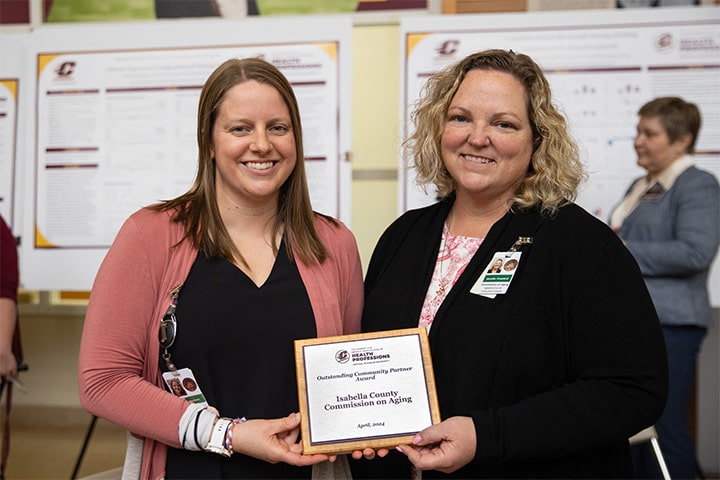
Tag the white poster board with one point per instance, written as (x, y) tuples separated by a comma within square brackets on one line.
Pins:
[(602, 66), (12, 64), (116, 108)]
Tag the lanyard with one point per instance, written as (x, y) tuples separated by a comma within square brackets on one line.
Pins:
[(168, 327)]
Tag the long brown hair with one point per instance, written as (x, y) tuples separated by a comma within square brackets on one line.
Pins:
[(197, 209)]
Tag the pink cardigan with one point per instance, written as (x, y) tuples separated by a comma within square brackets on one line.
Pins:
[(118, 366)]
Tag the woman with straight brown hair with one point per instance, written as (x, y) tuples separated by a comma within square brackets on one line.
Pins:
[(215, 285)]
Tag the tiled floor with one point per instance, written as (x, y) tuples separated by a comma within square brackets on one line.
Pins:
[(51, 452)]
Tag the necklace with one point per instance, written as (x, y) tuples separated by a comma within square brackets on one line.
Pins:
[(454, 254), (445, 254)]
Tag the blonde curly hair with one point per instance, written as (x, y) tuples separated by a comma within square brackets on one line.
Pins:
[(555, 170)]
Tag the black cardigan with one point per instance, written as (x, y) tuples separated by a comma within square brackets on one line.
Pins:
[(558, 372)]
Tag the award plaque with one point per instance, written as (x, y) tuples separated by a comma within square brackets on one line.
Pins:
[(368, 390)]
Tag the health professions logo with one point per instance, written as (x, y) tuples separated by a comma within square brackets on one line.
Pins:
[(701, 42), (362, 355)]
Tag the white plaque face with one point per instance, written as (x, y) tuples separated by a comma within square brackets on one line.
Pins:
[(366, 390)]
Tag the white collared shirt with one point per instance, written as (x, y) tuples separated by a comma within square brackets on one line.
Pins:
[(666, 179)]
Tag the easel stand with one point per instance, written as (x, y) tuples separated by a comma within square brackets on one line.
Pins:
[(88, 435)]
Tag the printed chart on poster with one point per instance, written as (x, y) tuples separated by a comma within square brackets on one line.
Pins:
[(116, 127), (602, 66)]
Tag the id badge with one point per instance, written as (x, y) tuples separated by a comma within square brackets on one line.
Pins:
[(498, 274), (183, 384)]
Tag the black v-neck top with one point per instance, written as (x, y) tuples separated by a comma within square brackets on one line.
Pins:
[(237, 338)]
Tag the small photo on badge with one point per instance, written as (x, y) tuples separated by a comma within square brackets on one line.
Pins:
[(183, 384), (189, 384), (496, 266), (510, 265), (175, 386)]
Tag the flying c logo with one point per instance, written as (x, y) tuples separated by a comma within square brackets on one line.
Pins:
[(65, 69), (664, 41), (342, 356), (448, 47)]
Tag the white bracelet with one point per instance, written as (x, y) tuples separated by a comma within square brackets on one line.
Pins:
[(216, 444)]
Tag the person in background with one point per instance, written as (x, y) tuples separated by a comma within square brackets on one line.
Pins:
[(548, 376), (11, 355), (9, 282), (193, 284), (670, 221)]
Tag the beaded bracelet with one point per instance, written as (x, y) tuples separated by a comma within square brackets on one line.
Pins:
[(228, 434)]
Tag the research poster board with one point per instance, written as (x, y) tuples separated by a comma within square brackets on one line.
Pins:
[(12, 62), (602, 66), (115, 125)]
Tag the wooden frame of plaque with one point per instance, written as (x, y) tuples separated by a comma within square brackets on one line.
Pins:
[(374, 360)]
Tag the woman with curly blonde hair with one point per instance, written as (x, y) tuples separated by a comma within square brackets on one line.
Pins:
[(555, 170), (546, 369)]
